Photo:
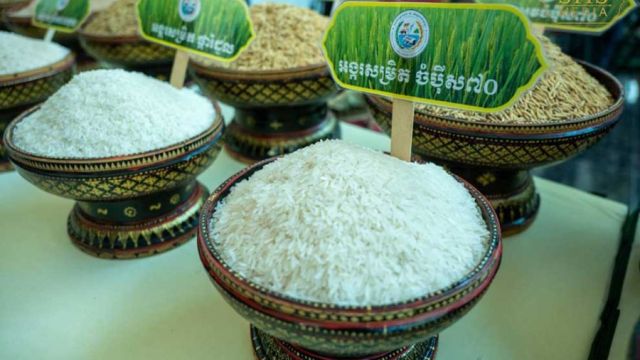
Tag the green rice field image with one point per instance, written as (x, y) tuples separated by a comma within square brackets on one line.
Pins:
[(61, 15), (219, 29), (483, 61), (572, 15)]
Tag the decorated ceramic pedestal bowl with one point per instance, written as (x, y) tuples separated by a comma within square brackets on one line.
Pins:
[(276, 112), (127, 206), (287, 328), (129, 52), (23, 90), (497, 159), (10, 6)]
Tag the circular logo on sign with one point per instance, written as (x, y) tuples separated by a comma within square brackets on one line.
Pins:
[(61, 4), (189, 9), (409, 34)]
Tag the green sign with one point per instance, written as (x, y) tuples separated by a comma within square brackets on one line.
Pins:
[(61, 15), (219, 29), (482, 61), (590, 16)]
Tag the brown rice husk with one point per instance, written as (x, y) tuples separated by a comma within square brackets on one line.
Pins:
[(565, 92), (119, 19), (287, 37)]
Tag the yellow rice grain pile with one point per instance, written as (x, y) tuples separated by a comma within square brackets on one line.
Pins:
[(565, 92), (287, 36), (119, 19)]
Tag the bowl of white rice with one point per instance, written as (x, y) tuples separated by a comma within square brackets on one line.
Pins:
[(128, 149), (340, 251), (30, 71)]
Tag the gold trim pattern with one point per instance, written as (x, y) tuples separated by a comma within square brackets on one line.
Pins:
[(126, 51), (267, 347), (124, 241), (123, 186), (488, 151), (275, 88), (31, 87), (107, 165)]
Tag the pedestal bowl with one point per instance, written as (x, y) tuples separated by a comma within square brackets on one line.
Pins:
[(127, 206), (276, 112), (497, 158), (287, 328), (11, 5), (23, 90)]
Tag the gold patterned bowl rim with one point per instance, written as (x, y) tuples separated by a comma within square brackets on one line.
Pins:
[(301, 72), (111, 39), (455, 124), (115, 163), (483, 272), (39, 73)]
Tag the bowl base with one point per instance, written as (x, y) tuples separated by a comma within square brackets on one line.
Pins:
[(130, 229), (255, 135), (266, 347), (515, 198)]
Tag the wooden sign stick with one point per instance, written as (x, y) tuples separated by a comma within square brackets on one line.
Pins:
[(48, 36), (179, 69), (402, 129)]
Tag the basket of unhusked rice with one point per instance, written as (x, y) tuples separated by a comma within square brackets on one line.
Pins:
[(128, 149), (347, 252), (279, 85), (19, 21), (30, 71), (112, 36), (572, 106)]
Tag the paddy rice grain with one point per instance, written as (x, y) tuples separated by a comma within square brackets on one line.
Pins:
[(287, 36), (565, 92), (337, 223), (119, 19), (19, 53), (106, 113)]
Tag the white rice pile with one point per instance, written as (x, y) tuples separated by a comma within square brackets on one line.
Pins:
[(106, 113), (19, 53), (336, 223)]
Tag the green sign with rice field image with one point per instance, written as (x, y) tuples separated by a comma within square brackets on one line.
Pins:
[(584, 16), (218, 29), (61, 15), (483, 61)]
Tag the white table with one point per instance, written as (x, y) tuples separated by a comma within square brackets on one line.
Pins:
[(58, 303)]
